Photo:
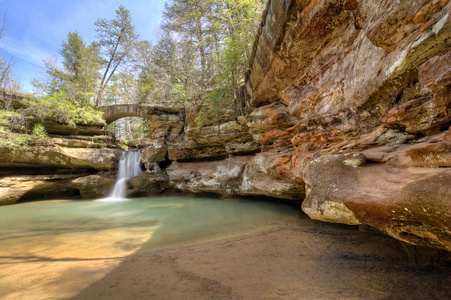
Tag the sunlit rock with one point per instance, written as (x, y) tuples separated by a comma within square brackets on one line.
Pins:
[(410, 204), (59, 157)]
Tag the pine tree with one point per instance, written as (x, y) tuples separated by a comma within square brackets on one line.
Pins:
[(81, 68), (117, 38)]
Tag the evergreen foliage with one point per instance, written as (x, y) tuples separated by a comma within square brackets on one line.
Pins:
[(39, 130), (117, 37), (202, 55), (205, 47)]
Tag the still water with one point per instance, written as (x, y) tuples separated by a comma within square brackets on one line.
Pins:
[(166, 220), (53, 249)]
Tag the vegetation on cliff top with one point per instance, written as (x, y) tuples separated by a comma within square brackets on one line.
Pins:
[(202, 54)]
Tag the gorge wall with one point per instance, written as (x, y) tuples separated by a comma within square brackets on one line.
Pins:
[(358, 92), (351, 119)]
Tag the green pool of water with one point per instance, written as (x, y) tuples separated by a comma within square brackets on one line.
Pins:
[(126, 225)]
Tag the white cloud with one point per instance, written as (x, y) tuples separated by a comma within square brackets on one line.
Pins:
[(26, 50)]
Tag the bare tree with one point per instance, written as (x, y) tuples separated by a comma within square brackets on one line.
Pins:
[(6, 80)]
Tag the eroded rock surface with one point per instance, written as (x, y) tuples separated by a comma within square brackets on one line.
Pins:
[(39, 168), (258, 175), (411, 204), (359, 93), (93, 186), (17, 187), (59, 157), (352, 109)]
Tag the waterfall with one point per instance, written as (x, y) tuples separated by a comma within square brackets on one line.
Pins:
[(129, 166)]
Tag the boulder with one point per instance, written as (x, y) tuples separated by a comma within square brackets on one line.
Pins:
[(270, 174), (410, 204), (154, 152), (93, 186), (147, 183), (53, 127), (261, 175), (431, 155), (216, 177)]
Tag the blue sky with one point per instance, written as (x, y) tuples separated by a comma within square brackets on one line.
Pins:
[(36, 28)]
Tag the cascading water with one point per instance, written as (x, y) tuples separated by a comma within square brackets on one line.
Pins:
[(129, 166)]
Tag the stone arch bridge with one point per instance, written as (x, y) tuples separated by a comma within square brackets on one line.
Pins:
[(146, 111), (112, 113)]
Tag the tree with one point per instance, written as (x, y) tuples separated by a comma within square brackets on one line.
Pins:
[(191, 20), (52, 80), (78, 73), (6, 66), (72, 52), (213, 45), (82, 65), (239, 19), (166, 65), (67, 88), (142, 59), (117, 38)]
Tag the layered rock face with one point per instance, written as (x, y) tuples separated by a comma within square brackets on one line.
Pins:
[(197, 151), (60, 165), (360, 93), (236, 176), (352, 113), (52, 167)]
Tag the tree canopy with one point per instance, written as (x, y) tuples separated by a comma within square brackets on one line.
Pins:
[(205, 46), (202, 53)]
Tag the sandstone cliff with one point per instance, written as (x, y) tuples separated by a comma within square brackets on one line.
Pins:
[(361, 91), (352, 116), (34, 167)]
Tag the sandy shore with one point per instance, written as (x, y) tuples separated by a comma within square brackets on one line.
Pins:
[(307, 260)]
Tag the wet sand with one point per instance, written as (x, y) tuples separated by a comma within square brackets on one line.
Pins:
[(310, 260), (60, 271)]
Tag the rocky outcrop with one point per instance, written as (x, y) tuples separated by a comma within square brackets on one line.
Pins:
[(352, 112), (23, 187), (260, 175), (56, 128), (193, 132), (147, 183), (359, 93), (410, 204), (93, 186), (56, 156), (36, 167)]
